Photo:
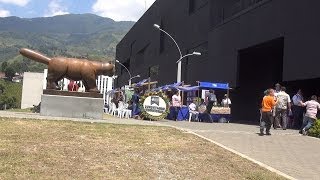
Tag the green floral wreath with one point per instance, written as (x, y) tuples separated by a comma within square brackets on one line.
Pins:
[(147, 115)]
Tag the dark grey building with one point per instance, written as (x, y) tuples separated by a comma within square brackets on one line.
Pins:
[(251, 44)]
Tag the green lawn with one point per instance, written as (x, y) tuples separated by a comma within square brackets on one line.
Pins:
[(34, 149)]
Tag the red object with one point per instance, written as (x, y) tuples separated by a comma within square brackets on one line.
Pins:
[(72, 86)]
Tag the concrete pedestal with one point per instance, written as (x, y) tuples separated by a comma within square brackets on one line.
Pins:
[(71, 106)]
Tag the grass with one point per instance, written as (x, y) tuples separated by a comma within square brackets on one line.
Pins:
[(33, 149)]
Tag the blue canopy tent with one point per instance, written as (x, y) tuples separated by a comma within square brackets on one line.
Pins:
[(186, 89), (209, 85), (223, 86), (168, 87)]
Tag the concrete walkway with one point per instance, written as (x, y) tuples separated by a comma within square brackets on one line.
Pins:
[(287, 151)]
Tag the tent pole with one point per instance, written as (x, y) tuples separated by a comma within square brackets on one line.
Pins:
[(228, 94), (182, 96), (198, 100), (149, 84)]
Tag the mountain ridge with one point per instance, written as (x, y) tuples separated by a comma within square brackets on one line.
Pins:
[(72, 35)]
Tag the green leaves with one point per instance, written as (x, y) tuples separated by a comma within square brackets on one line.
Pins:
[(147, 115), (10, 94), (315, 130)]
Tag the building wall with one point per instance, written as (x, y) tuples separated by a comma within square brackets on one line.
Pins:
[(273, 19), (220, 41), (32, 89), (143, 43)]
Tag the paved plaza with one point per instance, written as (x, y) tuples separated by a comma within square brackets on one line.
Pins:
[(287, 151)]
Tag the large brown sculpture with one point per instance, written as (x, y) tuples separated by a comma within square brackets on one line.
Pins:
[(71, 68)]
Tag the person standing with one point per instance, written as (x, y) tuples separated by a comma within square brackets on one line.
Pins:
[(73, 86), (135, 103), (283, 106), (274, 111), (297, 109), (310, 117), (268, 103), (176, 104), (211, 100), (226, 102)]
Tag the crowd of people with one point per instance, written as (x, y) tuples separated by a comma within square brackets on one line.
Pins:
[(280, 111)]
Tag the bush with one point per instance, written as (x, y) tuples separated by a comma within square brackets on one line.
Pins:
[(315, 130), (10, 94)]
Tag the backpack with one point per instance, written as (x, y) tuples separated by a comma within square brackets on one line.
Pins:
[(282, 101)]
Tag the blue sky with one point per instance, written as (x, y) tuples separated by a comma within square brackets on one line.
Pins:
[(118, 10)]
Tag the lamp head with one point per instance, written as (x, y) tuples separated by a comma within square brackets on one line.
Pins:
[(117, 61), (156, 26), (138, 76), (196, 53)]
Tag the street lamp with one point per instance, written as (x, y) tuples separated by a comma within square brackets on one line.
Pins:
[(128, 72), (114, 77), (181, 56), (192, 54), (137, 76)]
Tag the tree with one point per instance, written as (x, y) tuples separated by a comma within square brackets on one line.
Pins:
[(7, 102), (4, 66), (2, 88), (9, 72)]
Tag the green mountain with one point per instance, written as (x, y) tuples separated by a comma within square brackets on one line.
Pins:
[(73, 35)]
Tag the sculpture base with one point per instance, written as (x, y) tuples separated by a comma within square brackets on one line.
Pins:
[(71, 106), (72, 93)]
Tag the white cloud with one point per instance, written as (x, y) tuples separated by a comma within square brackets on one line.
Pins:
[(55, 8), (16, 2), (121, 10), (4, 13)]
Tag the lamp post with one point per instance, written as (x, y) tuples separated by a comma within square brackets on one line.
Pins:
[(181, 56), (114, 77), (128, 72), (137, 76)]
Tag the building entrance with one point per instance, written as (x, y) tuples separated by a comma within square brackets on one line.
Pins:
[(259, 68)]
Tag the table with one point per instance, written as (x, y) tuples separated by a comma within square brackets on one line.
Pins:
[(215, 117), (183, 113)]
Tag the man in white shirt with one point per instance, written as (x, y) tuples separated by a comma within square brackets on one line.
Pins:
[(297, 109), (283, 106), (226, 102), (176, 103)]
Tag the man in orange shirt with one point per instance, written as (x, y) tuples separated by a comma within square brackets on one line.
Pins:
[(268, 104)]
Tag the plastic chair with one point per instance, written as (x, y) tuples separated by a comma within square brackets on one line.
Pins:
[(193, 113), (190, 116), (120, 109), (127, 113), (112, 109)]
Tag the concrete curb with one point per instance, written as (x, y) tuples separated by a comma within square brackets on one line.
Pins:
[(239, 154)]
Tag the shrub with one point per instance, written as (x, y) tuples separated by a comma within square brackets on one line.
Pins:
[(315, 130), (10, 94)]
